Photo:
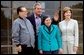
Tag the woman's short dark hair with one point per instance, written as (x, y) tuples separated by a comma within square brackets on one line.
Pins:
[(44, 18)]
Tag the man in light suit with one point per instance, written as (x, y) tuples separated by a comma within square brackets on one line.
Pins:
[(23, 33)]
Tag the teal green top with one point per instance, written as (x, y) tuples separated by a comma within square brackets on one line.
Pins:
[(49, 40)]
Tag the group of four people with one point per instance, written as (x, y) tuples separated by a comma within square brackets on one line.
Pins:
[(41, 34)]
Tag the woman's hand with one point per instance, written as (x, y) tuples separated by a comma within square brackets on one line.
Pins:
[(60, 51), (33, 46), (75, 48), (40, 51), (56, 16)]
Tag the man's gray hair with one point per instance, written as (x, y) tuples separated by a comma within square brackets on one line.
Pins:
[(34, 6)]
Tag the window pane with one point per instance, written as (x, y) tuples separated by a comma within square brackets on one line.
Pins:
[(70, 3), (50, 12), (5, 4), (6, 50), (50, 7), (52, 4), (5, 25), (6, 12), (28, 4)]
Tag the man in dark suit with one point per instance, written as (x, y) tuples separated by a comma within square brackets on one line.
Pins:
[(35, 19)]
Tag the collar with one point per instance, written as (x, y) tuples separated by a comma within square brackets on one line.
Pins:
[(46, 29), (36, 16), (22, 18)]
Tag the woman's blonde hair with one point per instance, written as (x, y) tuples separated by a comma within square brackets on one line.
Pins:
[(66, 9)]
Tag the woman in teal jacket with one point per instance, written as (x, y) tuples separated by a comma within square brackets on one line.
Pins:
[(49, 38)]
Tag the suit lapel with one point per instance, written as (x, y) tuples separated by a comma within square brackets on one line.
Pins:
[(33, 19)]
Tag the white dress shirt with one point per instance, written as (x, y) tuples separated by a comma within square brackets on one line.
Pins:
[(38, 22)]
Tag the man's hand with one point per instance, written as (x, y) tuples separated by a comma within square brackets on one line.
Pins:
[(18, 48)]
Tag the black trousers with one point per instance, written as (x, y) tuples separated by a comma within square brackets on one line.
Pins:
[(36, 45), (27, 50)]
